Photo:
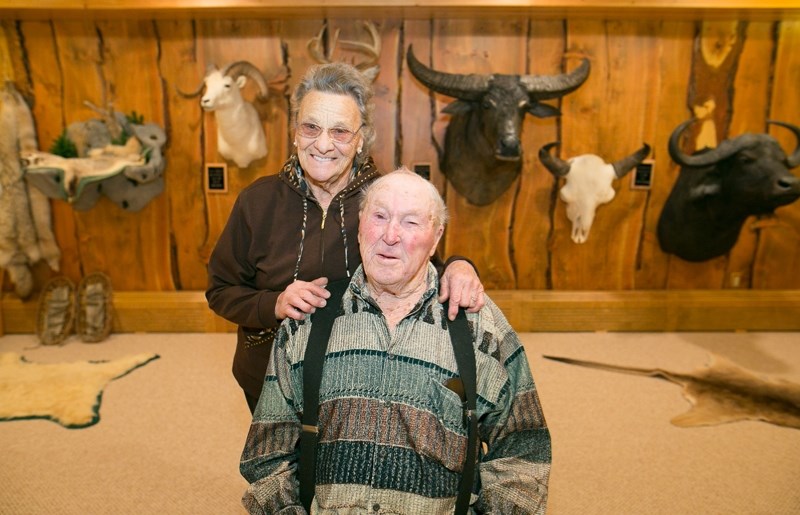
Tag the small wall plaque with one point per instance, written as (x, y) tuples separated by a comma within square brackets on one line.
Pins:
[(642, 176), (423, 170), (216, 177)]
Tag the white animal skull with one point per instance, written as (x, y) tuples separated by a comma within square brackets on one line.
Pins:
[(587, 184)]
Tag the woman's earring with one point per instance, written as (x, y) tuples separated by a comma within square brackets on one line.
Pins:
[(358, 151), (294, 143)]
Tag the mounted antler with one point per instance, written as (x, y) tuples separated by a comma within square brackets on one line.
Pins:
[(369, 68)]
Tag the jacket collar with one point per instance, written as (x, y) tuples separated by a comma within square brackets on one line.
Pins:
[(292, 173)]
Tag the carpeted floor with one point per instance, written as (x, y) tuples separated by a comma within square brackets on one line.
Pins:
[(170, 434)]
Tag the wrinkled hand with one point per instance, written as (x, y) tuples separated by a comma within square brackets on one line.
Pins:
[(461, 285), (301, 298)]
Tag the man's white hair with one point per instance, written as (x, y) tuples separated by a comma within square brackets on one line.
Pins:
[(438, 208)]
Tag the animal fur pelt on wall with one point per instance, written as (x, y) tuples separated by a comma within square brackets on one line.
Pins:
[(26, 234), (67, 393)]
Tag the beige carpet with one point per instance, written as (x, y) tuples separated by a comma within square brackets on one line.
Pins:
[(169, 435)]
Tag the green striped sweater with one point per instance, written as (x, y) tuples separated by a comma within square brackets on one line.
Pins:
[(392, 436)]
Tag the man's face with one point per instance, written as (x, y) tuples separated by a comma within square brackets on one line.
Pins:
[(397, 234)]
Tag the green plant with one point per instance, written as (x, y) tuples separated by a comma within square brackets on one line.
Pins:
[(63, 146)]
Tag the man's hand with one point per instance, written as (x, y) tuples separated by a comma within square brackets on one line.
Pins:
[(301, 298), (461, 285)]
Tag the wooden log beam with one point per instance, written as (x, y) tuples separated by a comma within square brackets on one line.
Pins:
[(527, 311)]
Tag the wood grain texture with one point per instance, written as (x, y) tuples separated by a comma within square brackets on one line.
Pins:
[(479, 232), (526, 311), (782, 238), (642, 85)]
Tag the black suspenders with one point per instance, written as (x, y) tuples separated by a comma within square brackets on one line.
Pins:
[(313, 362)]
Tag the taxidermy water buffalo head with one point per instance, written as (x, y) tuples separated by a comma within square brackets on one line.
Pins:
[(587, 183), (717, 189), (482, 151)]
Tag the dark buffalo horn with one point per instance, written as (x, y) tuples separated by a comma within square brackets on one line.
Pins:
[(465, 87), (544, 87), (626, 164), (683, 159), (794, 159), (557, 166)]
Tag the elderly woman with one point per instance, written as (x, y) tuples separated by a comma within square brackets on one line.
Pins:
[(289, 234)]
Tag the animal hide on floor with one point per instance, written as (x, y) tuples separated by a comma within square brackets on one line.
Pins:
[(67, 393), (722, 392)]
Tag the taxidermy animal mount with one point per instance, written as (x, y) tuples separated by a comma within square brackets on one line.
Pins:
[(130, 174), (722, 392), (26, 234), (369, 68), (587, 183), (240, 133), (482, 150), (717, 189)]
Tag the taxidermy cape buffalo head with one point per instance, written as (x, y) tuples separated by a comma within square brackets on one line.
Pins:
[(482, 151), (587, 183), (717, 189)]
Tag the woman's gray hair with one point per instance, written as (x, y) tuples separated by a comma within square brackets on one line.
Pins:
[(438, 206), (342, 79)]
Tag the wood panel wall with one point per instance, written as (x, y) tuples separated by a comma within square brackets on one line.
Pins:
[(647, 76)]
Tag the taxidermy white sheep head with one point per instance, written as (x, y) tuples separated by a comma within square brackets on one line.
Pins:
[(240, 133), (587, 183)]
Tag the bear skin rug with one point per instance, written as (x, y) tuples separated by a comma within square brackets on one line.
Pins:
[(66, 393)]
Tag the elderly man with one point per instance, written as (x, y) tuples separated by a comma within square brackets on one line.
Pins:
[(392, 434)]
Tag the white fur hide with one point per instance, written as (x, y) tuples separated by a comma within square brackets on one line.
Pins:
[(26, 234)]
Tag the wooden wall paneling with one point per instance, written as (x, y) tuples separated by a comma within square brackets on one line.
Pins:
[(481, 233), (79, 50), (184, 174), (717, 52), (582, 266), (675, 49), (415, 113), (626, 119), (137, 245), (47, 85), (221, 42), (750, 93), (533, 212), (385, 86), (778, 255)]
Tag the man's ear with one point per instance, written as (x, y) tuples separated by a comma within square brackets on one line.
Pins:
[(439, 233)]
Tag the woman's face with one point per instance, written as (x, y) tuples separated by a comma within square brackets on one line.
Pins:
[(325, 161)]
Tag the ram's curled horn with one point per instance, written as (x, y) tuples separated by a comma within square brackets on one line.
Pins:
[(237, 68), (626, 164), (465, 87), (793, 160), (557, 166), (545, 87)]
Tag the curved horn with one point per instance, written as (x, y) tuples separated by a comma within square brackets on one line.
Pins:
[(626, 164), (237, 68), (793, 160), (725, 149), (557, 166), (193, 93), (464, 87), (544, 87)]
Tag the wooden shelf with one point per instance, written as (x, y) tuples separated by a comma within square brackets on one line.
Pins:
[(689, 9), (526, 310)]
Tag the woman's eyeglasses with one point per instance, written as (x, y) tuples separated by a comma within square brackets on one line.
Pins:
[(337, 134)]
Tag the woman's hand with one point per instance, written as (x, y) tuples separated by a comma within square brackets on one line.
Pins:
[(301, 298), (461, 285)]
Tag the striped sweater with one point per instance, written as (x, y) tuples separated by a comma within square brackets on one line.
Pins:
[(392, 436)]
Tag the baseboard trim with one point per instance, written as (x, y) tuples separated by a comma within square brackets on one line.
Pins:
[(526, 310)]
